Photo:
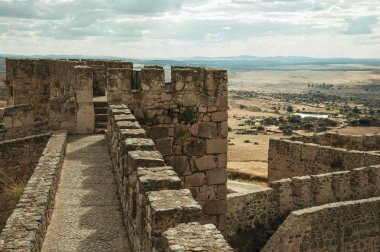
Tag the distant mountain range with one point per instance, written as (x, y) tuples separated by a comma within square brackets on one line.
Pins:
[(243, 62)]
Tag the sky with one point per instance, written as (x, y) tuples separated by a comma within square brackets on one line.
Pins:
[(179, 28)]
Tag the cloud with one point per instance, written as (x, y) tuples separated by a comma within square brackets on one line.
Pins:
[(151, 26), (361, 25)]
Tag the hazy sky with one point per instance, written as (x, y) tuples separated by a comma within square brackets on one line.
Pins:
[(179, 28)]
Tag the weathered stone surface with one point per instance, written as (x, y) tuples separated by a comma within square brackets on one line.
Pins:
[(195, 237), (158, 178), (216, 146), (25, 228), (132, 144), (219, 116), (205, 163), (216, 177), (207, 130)]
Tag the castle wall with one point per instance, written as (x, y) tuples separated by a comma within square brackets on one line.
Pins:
[(18, 121), (99, 68), (293, 158), (187, 119), (18, 157), (150, 191), (252, 217), (26, 227), (60, 92), (367, 142), (345, 226)]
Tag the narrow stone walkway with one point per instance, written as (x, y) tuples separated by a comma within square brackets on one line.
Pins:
[(86, 215)]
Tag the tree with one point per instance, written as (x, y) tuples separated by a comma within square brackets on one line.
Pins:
[(289, 109)]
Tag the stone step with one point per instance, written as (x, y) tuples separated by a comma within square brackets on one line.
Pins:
[(100, 104), (100, 118), (100, 125), (100, 110)]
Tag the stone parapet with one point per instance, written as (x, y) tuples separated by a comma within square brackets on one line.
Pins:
[(187, 120), (26, 227), (151, 193), (294, 158), (259, 213), (346, 226)]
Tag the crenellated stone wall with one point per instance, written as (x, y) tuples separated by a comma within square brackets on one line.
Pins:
[(187, 119), (253, 217), (150, 191), (367, 142), (294, 158), (99, 68), (25, 228), (345, 226)]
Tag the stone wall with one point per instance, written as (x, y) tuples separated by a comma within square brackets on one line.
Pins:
[(18, 121), (345, 226), (150, 192), (26, 227), (18, 157), (294, 158), (368, 142), (187, 119), (252, 217), (99, 68), (60, 92)]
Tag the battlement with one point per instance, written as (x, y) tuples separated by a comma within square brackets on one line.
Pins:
[(152, 197)]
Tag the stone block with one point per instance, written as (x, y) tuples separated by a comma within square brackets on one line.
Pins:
[(131, 133), (158, 178), (219, 116), (85, 119), (124, 117), (195, 179), (158, 132), (133, 144), (212, 207), (127, 125), (207, 130), (222, 102), (216, 146), (216, 177), (143, 159), (164, 145), (166, 208), (196, 147), (205, 163), (222, 161), (203, 238), (190, 100)]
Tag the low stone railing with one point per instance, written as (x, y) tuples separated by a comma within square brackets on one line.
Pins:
[(253, 217), (367, 142), (151, 195), (344, 226), (26, 227), (294, 158)]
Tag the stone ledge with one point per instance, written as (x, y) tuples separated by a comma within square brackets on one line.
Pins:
[(158, 178), (195, 237), (26, 227)]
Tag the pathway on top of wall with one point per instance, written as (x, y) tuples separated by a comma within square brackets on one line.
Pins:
[(86, 215)]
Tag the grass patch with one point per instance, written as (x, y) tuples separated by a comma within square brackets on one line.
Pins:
[(245, 177)]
